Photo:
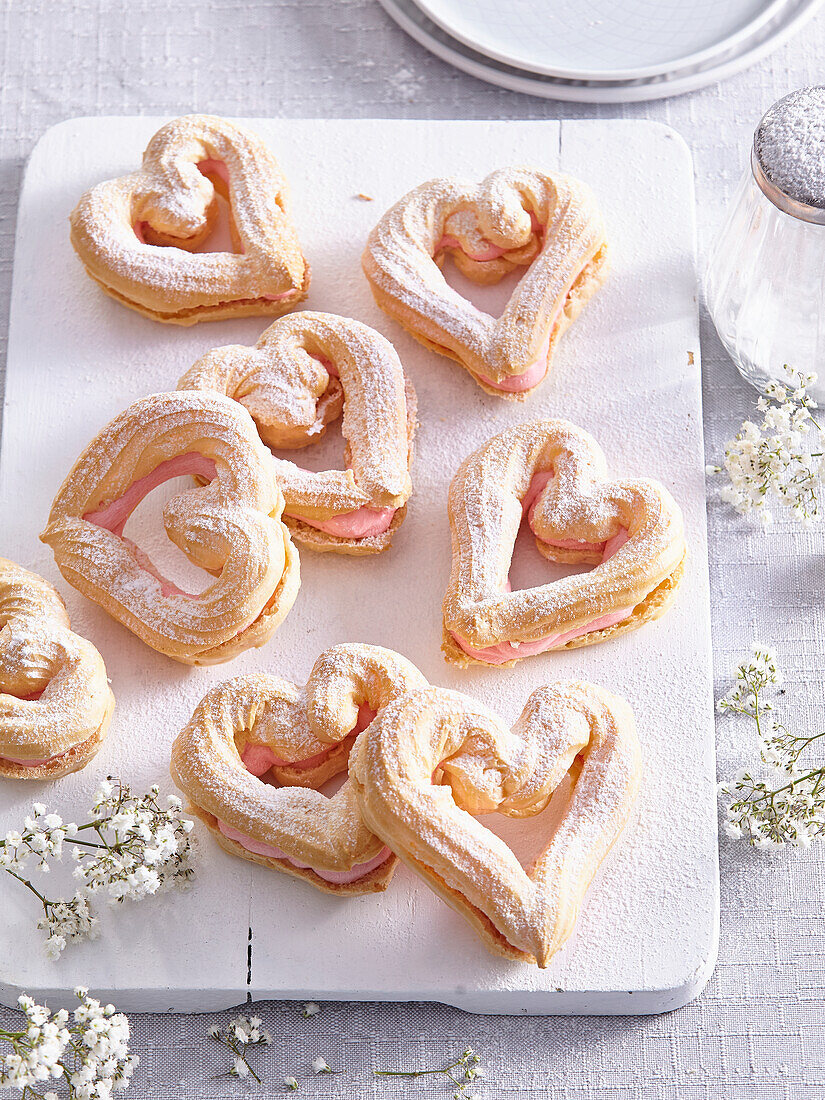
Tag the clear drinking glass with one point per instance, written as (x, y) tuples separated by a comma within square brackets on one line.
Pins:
[(765, 280)]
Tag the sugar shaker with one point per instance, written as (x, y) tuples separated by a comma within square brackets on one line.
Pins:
[(765, 280)]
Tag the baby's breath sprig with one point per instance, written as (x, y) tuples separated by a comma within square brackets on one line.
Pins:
[(239, 1035), (775, 459), (789, 812), (463, 1072), (87, 1051), (132, 848)]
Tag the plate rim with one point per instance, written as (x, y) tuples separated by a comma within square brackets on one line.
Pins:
[(770, 10)]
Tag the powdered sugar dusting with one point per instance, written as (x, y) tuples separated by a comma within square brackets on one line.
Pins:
[(172, 196), (579, 503), (513, 218), (230, 526), (316, 831), (442, 734), (294, 382), (54, 695)]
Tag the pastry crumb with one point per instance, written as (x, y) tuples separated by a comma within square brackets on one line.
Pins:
[(364, 197)]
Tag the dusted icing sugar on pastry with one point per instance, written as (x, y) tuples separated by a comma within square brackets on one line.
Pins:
[(294, 382), (138, 235), (554, 475), (305, 736), (434, 758), (515, 219), (55, 701), (229, 526)]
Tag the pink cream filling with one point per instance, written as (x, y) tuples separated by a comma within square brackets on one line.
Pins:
[(113, 516), (361, 523), (215, 168), (32, 763), (258, 759), (507, 651), (358, 871)]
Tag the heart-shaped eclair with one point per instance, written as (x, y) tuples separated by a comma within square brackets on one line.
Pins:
[(137, 235), (261, 725), (55, 701), (517, 218), (294, 382), (434, 758), (555, 475), (229, 526)]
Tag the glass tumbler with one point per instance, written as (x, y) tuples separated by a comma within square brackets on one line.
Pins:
[(765, 280)]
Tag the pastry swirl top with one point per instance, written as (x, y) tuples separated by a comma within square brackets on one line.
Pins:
[(210, 756), (55, 701), (555, 474), (434, 758), (136, 234), (294, 381), (230, 526), (513, 218)]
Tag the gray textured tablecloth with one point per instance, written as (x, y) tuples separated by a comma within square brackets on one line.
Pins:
[(757, 1033)]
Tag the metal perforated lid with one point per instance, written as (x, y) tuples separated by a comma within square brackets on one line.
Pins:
[(788, 157)]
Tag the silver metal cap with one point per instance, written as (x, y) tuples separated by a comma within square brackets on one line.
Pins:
[(788, 157)]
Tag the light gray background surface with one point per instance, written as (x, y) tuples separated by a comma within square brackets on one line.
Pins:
[(758, 1032)]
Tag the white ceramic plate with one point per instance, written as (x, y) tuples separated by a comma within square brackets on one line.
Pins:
[(601, 39), (790, 19)]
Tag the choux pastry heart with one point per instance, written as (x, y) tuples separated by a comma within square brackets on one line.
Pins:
[(554, 475), (55, 700), (138, 235), (548, 226), (230, 526)]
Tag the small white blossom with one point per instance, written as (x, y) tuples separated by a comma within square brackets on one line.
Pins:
[(66, 921), (311, 1009), (319, 1065), (290, 1083), (239, 1035)]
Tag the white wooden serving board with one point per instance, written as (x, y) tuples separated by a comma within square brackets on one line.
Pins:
[(628, 372)]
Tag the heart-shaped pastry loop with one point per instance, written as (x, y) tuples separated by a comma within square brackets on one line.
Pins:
[(554, 474), (55, 701), (229, 526), (259, 724), (434, 757), (136, 234), (293, 382), (514, 218)]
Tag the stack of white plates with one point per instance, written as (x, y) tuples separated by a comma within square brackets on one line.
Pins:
[(601, 51)]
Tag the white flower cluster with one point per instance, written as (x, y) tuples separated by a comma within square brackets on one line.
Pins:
[(139, 848), (88, 1051), (41, 839), (774, 459), (239, 1034), (65, 921), (146, 847), (792, 812)]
